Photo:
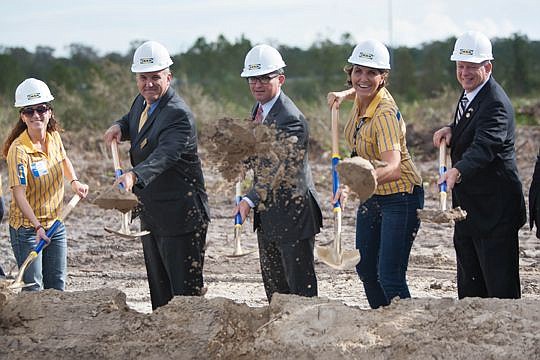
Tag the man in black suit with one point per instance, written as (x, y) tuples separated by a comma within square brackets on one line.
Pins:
[(286, 213), (534, 198), (484, 178), (167, 178)]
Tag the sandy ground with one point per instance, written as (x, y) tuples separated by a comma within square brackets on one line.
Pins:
[(106, 313)]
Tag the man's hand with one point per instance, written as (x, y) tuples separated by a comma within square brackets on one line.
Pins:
[(127, 180), (451, 177), (445, 134), (114, 132), (342, 194), (242, 207)]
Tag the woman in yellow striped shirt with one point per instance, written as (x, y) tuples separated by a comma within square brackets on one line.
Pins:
[(37, 163), (386, 223)]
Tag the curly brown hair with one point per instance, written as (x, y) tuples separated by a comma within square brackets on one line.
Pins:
[(20, 126)]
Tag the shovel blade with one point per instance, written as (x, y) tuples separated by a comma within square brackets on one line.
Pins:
[(127, 235), (346, 260)]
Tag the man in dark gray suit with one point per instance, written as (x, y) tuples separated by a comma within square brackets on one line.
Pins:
[(286, 213), (484, 178), (166, 176)]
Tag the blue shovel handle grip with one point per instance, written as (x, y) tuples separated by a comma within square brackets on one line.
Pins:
[(50, 233), (442, 186), (117, 174), (335, 180), (238, 217)]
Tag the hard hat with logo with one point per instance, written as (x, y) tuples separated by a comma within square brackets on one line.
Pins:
[(473, 46), (150, 56), (371, 53), (31, 92), (262, 59)]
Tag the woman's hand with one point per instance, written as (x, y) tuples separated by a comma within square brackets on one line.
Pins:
[(41, 234), (337, 97), (341, 195), (79, 188)]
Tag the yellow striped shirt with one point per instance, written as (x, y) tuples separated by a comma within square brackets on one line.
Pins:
[(378, 131), (1, 193), (41, 174)]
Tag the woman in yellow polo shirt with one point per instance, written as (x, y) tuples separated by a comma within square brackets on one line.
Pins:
[(386, 223), (37, 163)]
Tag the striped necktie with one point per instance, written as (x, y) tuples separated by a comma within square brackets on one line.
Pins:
[(461, 108), (144, 117), (259, 116)]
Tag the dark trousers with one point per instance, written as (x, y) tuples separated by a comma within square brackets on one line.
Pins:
[(174, 265), (287, 267), (488, 266)]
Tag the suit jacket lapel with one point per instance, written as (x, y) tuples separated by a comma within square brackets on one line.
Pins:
[(470, 112), (274, 111), (162, 102)]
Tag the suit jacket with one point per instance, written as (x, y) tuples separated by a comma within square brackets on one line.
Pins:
[(534, 198), (170, 182), (482, 149), (291, 209)]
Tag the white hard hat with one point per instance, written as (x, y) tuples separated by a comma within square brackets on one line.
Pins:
[(262, 59), (371, 53), (150, 56), (31, 92), (473, 46)]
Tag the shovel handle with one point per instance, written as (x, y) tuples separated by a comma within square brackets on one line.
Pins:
[(442, 171), (54, 227), (335, 152), (116, 161), (237, 199)]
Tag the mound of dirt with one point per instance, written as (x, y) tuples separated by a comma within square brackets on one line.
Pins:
[(99, 324), (114, 198)]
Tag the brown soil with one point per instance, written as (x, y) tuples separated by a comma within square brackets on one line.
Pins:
[(105, 312), (114, 198), (442, 217), (357, 173)]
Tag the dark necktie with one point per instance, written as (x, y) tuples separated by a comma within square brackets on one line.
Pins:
[(461, 107), (259, 115)]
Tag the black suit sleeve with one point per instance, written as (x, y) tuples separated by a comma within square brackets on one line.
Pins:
[(173, 140), (1, 208), (488, 140), (534, 198)]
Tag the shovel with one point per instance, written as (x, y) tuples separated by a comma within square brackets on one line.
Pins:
[(18, 283), (238, 226), (442, 215), (121, 204), (333, 254)]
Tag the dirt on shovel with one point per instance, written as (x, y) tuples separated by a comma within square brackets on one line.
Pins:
[(115, 198), (441, 217), (357, 173)]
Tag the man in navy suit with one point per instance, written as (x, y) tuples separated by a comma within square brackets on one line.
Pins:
[(484, 178), (166, 177), (534, 198), (286, 212)]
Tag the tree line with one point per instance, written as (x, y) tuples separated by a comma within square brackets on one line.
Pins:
[(95, 88)]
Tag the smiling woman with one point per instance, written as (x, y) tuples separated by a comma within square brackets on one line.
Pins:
[(37, 163)]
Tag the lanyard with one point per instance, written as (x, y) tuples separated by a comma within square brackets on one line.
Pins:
[(355, 135)]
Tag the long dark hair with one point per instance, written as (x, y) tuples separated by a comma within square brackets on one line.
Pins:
[(20, 127)]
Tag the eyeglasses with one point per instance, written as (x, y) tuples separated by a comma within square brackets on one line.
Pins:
[(265, 79), (29, 111)]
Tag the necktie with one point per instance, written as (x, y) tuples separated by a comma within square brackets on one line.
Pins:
[(144, 116), (259, 116), (461, 107)]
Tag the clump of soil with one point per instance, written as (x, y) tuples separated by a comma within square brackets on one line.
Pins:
[(238, 146), (357, 173), (442, 217), (115, 198)]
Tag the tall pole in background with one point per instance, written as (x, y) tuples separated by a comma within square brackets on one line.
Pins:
[(390, 34)]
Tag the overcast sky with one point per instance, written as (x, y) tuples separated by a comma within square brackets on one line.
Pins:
[(108, 25)]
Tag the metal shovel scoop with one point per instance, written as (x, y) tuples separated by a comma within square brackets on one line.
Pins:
[(333, 254), (442, 215), (238, 226), (18, 282), (120, 200)]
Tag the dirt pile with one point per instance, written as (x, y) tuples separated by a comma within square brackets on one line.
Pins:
[(99, 324)]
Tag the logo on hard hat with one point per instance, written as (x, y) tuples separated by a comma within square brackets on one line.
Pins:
[(33, 96), (364, 55), (466, 52), (254, 67), (144, 61)]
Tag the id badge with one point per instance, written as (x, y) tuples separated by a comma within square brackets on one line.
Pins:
[(39, 168)]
